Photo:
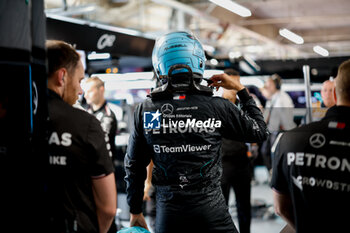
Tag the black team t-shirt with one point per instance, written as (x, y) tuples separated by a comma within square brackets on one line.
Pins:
[(77, 154)]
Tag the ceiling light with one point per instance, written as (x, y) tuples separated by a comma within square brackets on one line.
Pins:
[(291, 36), (208, 48), (233, 55), (214, 62), (234, 7), (95, 56), (322, 51)]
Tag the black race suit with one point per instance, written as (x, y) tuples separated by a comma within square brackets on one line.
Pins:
[(184, 145), (77, 153), (312, 166)]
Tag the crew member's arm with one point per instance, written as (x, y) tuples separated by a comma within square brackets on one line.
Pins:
[(105, 196), (102, 175), (247, 125), (148, 182), (230, 82), (137, 159), (283, 207), (282, 201)]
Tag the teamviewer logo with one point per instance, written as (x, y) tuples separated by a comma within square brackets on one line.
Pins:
[(151, 120), (156, 148)]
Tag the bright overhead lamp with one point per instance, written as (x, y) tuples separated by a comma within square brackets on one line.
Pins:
[(322, 51), (95, 56), (291, 36), (234, 7), (208, 48)]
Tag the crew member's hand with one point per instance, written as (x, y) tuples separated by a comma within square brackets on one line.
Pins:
[(231, 82), (138, 220), (146, 196)]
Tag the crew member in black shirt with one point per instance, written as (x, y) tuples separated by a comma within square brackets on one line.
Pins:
[(311, 169), (100, 108), (80, 182)]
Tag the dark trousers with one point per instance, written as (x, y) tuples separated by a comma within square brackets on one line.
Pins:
[(204, 213), (240, 181)]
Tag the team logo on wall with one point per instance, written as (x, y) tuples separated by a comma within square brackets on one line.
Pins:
[(167, 109), (151, 120), (317, 140), (105, 40)]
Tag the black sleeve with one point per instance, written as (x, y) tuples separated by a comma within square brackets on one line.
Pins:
[(136, 160), (278, 179), (101, 161), (247, 124)]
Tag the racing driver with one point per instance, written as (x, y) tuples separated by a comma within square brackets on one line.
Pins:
[(179, 127)]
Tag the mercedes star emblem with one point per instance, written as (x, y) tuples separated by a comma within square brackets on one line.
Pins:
[(167, 109), (317, 140)]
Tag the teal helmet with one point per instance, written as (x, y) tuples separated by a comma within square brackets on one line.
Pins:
[(178, 52)]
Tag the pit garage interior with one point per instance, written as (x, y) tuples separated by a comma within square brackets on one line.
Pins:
[(116, 38)]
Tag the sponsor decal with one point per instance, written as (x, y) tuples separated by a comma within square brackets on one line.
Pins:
[(336, 125), (180, 149), (189, 125), (65, 139), (314, 182), (339, 143), (175, 46), (58, 160), (318, 161), (179, 97), (167, 109), (317, 140), (190, 108), (151, 120)]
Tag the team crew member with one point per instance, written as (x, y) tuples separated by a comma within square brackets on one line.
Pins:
[(98, 106), (327, 94), (180, 129), (236, 169), (278, 114), (311, 172), (80, 184)]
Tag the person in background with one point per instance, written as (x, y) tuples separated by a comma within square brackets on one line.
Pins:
[(279, 105), (327, 94), (180, 128), (278, 114), (327, 100), (311, 168), (98, 106), (236, 169), (81, 193)]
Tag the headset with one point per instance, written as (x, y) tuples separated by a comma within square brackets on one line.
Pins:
[(277, 80)]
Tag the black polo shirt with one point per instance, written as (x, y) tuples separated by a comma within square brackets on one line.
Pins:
[(312, 165), (77, 153)]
